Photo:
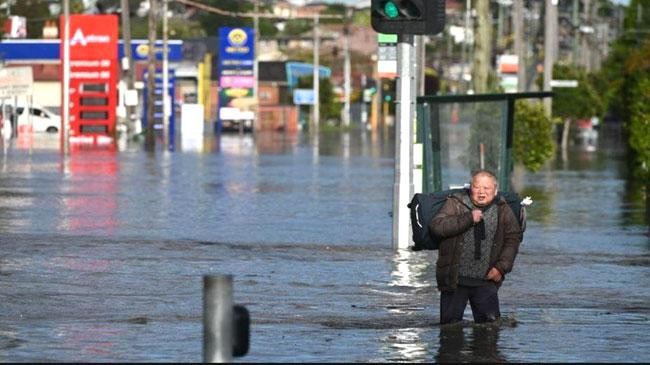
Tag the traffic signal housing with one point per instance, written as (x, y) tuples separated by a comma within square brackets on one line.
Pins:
[(407, 16)]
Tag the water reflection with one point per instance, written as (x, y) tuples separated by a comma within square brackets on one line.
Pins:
[(478, 343), (411, 282), (90, 202)]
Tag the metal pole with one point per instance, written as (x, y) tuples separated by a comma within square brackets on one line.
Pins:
[(150, 138), (464, 56), (256, 70), (346, 68), (576, 33), (403, 187), (128, 61), (518, 20), (165, 78), (218, 326), (65, 108), (316, 83), (550, 46)]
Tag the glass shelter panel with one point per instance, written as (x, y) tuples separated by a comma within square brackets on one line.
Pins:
[(472, 135)]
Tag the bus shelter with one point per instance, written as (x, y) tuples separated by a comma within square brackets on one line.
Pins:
[(461, 133)]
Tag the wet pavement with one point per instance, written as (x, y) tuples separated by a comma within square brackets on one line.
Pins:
[(102, 255)]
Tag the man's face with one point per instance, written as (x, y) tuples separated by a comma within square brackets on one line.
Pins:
[(483, 190)]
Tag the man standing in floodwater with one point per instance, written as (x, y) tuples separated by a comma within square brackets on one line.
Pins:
[(481, 238)]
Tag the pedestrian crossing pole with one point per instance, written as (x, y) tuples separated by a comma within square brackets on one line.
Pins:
[(406, 18), (405, 117)]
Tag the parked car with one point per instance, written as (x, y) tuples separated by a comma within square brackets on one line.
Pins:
[(42, 120)]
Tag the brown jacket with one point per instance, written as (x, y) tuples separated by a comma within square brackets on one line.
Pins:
[(453, 220)]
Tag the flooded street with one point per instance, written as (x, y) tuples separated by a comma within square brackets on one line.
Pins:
[(102, 255)]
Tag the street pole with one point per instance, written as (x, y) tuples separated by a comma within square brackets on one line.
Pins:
[(550, 47), (576, 31), (256, 70), (403, 186), (520, 51), (346, 69), (464, 56), (165, 79), (150, 138), (65, 108), (218, 328), (316, 83), (127, 63)]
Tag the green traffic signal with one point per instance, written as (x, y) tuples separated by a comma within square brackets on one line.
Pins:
[(390, 9), (407, 16)]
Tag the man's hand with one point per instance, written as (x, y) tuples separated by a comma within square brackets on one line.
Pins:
[(477, 215), (494, 275)]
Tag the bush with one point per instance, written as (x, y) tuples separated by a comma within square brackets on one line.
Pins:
[(533, 135)]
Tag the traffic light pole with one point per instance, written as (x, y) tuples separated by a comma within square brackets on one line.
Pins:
[(405, 115)]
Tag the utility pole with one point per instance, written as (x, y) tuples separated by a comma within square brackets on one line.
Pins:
[(550, 48), (419, 51), (464, 56), (520, 50), (575, 20), (127, 62), (346, 68), (403, 186), (482, 46), (65, 108), (586, 47), (316, 83), (165, 78), (256, 70), (150, 138)]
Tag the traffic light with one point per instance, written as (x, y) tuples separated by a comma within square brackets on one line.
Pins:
[(408, 16)]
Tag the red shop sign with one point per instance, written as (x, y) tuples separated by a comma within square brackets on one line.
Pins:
[(92, 36)]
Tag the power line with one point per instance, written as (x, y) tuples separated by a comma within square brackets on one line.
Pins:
[(212, 9)]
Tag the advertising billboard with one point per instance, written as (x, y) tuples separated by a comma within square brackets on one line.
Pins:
[(236, 78)]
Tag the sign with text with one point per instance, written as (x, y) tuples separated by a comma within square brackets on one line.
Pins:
[(16, 81), (93, 73), (236, 80)]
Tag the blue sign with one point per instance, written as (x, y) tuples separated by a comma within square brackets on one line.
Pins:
[(49, 49), (296, 70), (303, 96), (236, 47)]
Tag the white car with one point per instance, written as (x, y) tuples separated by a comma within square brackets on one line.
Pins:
[(42, 120)]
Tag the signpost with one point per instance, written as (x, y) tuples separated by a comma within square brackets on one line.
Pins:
[(236, 74), (387, 55)]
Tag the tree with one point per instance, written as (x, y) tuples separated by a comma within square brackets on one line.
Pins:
[(578, 102), (329, 107), (627, 70), (36, 12), (532, 136)]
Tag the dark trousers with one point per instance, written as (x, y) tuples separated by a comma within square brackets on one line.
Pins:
[(483, 299)]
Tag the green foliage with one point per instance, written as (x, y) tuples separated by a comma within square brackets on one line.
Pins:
[(575, 102), (533, 135), (298, 26), (329, 107), (639, 124), (211, 22), (361, 18), (182, 29), (36, 12), (627, 70)]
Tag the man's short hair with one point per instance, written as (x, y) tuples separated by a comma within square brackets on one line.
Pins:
[(486, 172)]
